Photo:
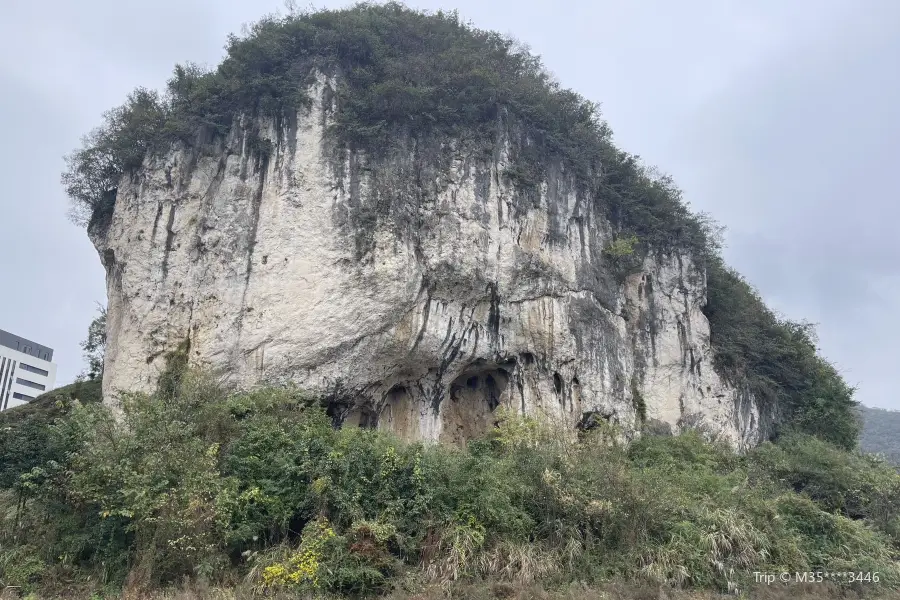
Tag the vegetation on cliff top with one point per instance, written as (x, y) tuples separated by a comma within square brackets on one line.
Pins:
[(260, 492), (400, 71), (425, 75)]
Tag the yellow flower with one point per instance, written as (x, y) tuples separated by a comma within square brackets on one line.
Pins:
[(303, 566), (274, 574)]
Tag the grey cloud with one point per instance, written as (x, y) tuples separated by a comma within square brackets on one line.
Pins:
[(799, 158)]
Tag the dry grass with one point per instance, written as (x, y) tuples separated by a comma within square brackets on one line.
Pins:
[(499, 590), (725, 541), (630, 591)]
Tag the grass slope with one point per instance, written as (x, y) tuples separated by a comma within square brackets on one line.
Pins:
[(54, 403)]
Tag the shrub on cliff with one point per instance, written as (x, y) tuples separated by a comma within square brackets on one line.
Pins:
[(129, 132), (261, 486), (777, 360)]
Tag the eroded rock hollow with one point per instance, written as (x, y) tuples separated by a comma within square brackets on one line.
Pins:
[(420, 289)]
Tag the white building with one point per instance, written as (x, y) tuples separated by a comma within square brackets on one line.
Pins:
[(27, 370)]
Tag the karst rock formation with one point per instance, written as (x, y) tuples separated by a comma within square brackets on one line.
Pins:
[(418, 290)]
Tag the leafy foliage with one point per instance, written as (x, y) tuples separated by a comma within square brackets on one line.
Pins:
[(622, 246), (156, 472), (27, 437), (94, 345), (858, 486), (129, 132), (260, 486)]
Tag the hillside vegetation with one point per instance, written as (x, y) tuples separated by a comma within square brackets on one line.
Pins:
[(258, 493), (26, 440), (403, 73)]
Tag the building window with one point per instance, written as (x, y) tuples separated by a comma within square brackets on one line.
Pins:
[(19, 396), (30, 384), (31, 369)]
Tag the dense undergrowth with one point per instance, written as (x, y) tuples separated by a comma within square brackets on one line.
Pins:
[(258, 492)]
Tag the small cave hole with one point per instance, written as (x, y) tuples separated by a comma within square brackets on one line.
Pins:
[(557, 383), (575, 381), (368, 420), (474, 398), (362, 417), (591, 420), (493, 392), (528, 358)]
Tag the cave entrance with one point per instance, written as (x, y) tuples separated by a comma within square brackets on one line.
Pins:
[(361, 417), (474, 396), (592, 420), (399, 414)]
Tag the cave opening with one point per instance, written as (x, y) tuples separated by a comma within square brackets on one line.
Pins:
[(591, 420), (398, 413), (361, 416), (474, 396)]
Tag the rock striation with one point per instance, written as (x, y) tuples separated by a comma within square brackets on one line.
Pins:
[(419, 290)]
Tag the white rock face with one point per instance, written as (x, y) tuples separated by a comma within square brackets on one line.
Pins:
[(420, 291)]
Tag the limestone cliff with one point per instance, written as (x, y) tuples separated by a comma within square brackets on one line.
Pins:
[(419, 290)]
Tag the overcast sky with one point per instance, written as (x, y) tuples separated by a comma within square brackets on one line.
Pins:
[(782, 119)]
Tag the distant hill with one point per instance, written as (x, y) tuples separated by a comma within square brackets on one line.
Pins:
[(881, 432)]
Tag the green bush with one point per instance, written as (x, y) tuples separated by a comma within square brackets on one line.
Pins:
[(857, 486), (158, 472), (27, 439)]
